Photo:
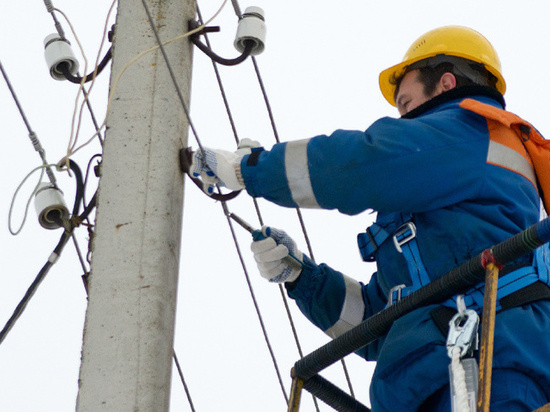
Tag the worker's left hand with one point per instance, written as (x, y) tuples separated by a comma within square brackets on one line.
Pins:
[(277, 256), (220, 167)]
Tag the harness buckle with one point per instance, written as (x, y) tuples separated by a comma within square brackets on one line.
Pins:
[(405, 233), (395, 294)]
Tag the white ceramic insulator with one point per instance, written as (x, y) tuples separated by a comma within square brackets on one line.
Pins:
[(58, 51), (251, 27), (49, 203)]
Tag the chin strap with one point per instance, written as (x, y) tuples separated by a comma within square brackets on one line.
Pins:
[(186, 156)]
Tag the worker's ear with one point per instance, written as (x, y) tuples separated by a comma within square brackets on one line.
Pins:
[(447, 82)]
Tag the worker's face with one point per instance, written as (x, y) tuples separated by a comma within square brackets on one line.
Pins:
[(410, 94)]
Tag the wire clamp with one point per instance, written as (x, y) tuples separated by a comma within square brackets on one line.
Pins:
[(193, 24), (186, 156)]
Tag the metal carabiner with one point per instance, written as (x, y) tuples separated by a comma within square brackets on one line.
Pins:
[(463, 333)]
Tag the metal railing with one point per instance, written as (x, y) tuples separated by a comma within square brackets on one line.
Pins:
[(306, 371)]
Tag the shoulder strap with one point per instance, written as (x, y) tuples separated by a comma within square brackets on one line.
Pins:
[(536, 145)]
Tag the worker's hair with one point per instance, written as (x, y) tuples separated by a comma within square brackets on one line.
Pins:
[(465, 71), (430, 76)]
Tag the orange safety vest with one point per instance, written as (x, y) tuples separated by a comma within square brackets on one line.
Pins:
[(523, 139)]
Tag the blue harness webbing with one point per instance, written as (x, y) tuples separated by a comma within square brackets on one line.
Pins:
[(404, 240)]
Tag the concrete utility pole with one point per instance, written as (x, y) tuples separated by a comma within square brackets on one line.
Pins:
[(128, 335)]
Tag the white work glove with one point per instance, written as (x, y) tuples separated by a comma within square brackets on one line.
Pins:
[(277, 256), (220, 167), (246, 145)]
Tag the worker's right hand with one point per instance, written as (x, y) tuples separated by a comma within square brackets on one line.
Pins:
[(214, 166), (220, 167), (277, 256)]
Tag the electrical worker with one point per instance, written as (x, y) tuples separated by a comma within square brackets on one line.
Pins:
[(448, 179)]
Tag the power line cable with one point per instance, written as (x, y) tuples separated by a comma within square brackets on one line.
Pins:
[(171, 71), (206, 49), (26, 210), (255, 202), (276, 135), (237, 8), (87, 174), (182, 379), (256, 305), (81, 260), (75, 131), (237, 140), (115, 79), (50, 8), (194, 131), (298, 211), (258, 212), (180, 95), (34, 285), (300, 217), (220, 85), (32, 135), (65, 70), (54, 256)]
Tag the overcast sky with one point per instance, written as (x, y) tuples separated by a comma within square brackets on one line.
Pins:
[(320, 68)]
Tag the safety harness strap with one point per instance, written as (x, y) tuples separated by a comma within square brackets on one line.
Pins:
[(529, 294), (507, 285), (405, 241), (369, 241)]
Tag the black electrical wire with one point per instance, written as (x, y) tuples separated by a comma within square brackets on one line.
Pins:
[(34, 285), (79, 196), (248, 47), (89, 207), (65, 237), (50, 8), (219, 80), (65, 70), (79, 186)]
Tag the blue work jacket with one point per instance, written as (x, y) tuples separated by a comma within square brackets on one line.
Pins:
[(439, 166)]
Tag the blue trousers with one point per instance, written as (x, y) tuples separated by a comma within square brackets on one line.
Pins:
[(511, 391)]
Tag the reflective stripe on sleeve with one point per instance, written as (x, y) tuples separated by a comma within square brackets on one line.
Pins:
[(297, 173), (353, 309), (504, 156)]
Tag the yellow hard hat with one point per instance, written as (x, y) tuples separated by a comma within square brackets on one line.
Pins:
[(451, 41)]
